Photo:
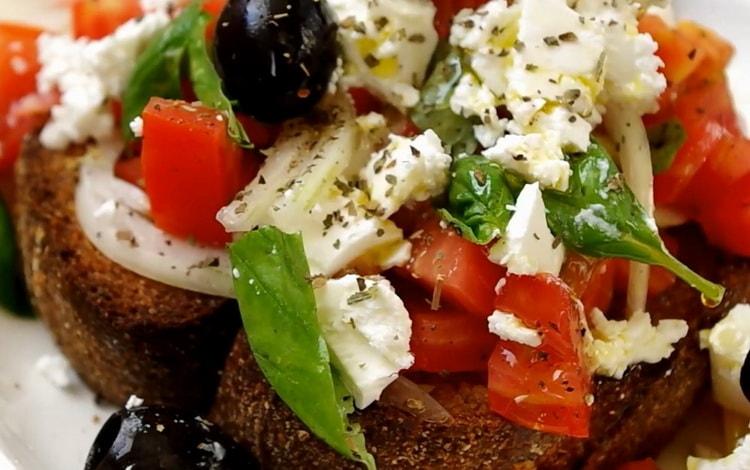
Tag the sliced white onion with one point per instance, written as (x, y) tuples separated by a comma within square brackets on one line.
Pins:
[(626, 128), (114, 216), (411, 398)]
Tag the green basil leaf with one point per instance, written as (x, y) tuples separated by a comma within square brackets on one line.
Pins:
[(666, 140), (12, 292), (434, 111), (478, 199), (280, 317), (158, 69), (599, 216), (207, 83)]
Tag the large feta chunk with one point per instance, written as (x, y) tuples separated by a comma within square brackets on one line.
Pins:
[(728, 344), (612, 346), (537, 157), (388, 45), (367, 329), (528, 246), (510, 328), (88, 74), (407, 169)]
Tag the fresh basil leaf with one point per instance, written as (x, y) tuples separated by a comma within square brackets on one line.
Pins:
[(434, 111), (478, 199), (279, 314), (599, 216), (666, 140), (207, 84), (12, 292), (158, 69)]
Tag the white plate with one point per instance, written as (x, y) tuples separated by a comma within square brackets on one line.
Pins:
[(43, 427)]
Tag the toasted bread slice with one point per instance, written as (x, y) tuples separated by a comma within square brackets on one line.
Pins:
[(124, 334), (632, 417)]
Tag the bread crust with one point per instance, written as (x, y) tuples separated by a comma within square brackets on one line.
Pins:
[(632, 418), (122, 333)]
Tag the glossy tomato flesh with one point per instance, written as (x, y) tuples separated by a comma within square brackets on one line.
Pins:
[(452, 268), (447, 339), (544, 387), (191, 169)]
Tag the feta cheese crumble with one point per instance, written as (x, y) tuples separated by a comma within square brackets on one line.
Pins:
[(136, 125), (612, 346), (728, 344), (407, 169), (368, 330), (88, 74), (528, 246), (554, 66), (510, 328), (388, 45), (56, 369)]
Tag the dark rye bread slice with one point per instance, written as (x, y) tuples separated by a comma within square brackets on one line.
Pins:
[(123, 334), (632, 418)]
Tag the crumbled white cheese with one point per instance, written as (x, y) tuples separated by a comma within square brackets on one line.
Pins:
[(367, 329), (554, 65), (136, 125), (149, 6), (510, 328), (728, 344), (56, 370), (388, 45), (612, 346), (528, 247), (134, 401), (88, 74), (537, 157), (632, 69), (407, 169)]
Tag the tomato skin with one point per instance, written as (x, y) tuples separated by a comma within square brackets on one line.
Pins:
[(25, 116), (543, 388), (364, 101), (646, 464), (441, 257), (95, 19), (191, 169), (707, 113), (726, 221), (678, 52), (262, 135), (447, 339), (130, 170)]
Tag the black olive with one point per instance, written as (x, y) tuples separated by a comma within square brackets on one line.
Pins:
[(162, 438), (276, 57), (745, 377)]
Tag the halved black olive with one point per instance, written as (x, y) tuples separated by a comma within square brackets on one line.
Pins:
[(276, 57), (162, 438)]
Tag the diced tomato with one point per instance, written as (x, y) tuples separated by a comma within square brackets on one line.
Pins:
[(191, 169), (447, 339), (726, 221), (262, 135), (592, 281), (452, 268), (729, 161), (18, 63), (447, 9), (364, 101), (646, 464), (24, 116), (130, 170), (544, 387), (408, 129), (679, 53), (706, 112), (214, 7), (96, 19), (716, 51)]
